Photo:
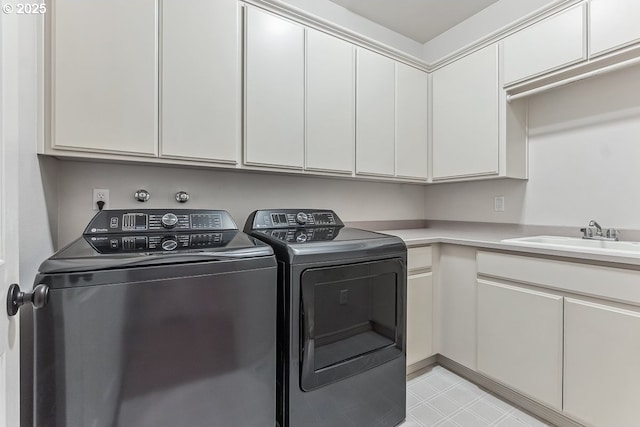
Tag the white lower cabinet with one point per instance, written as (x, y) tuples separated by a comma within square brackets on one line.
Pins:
[(456, 304), (602, 364), (578, 356), (520, 339), (419, 306), (419, 317)]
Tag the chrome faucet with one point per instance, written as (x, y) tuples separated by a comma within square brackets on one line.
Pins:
[(594, 223), (594, 232)]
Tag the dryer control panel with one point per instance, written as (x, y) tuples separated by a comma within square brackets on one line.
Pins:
[(296, 218), (148, 220)]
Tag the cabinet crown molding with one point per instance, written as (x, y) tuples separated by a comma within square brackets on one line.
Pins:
[(309, 19)]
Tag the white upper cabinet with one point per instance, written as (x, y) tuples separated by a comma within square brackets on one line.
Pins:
[(465, 116), (274, 91), (613, 24), (375, 109), (330, 102), (419, 306), (411, 122), (200, 80), (104, 86), (547, 45)]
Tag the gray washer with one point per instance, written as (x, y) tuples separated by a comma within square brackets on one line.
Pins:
[(150, 338)]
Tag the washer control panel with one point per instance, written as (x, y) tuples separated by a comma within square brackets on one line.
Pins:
[(287, 218), (148, 220), (127, 243)]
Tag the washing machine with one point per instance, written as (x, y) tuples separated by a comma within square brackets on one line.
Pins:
[(152, 318), (341, 320)]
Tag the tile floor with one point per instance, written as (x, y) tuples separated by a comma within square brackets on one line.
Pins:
[(441, 398)]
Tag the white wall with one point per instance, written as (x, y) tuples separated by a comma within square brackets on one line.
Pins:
[(486, 22), (32, 178), (584, 162), (238, 192), (345, 18), (37, 177)]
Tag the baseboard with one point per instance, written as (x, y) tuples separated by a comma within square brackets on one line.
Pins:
[(550, 415), (419, 366)]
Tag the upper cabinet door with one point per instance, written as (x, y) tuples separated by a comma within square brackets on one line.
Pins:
[(465, 116), (411, 122), (375, 127), (330, 101), (200, 80), (547, 45), (613, 24), (104, 83), (274, 91)]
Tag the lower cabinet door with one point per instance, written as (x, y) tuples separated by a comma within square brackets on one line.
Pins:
[(419, 317), (520, 340), (602, 364)]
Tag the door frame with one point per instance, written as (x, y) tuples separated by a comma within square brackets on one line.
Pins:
[(9, 241)]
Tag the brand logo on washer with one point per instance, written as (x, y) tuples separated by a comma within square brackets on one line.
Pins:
[(99, 230)]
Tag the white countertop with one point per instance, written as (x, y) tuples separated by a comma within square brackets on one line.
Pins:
[(490, 236)]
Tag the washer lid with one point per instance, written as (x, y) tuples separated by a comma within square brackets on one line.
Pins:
[(110, 251)]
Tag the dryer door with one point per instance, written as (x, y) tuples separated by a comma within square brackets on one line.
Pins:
[(352, 319)]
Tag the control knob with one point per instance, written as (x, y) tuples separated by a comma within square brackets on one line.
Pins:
[(169, 220), (169, 243), (302, 218), (301, 237)]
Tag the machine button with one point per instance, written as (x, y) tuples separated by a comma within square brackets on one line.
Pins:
[(301, 218), (169, 243), (169, 220)]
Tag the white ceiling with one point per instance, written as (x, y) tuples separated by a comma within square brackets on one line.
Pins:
[(420, 20)]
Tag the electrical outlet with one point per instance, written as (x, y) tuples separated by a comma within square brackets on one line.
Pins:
[(100, 194), (498, 204)]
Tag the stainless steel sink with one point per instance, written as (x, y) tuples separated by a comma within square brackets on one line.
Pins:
[(577, 244)]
